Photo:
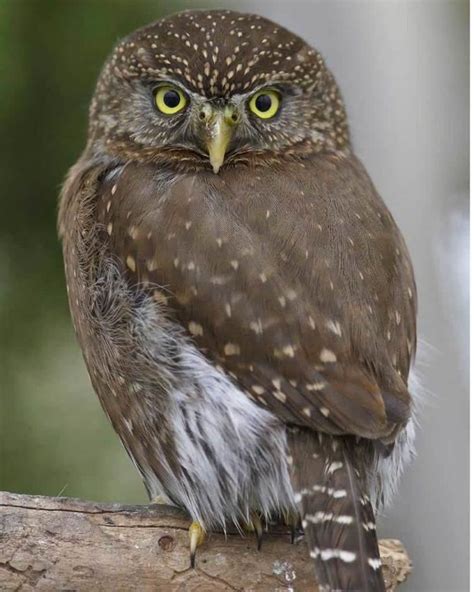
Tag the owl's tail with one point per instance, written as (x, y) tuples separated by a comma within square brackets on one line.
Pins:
[(328, 479)]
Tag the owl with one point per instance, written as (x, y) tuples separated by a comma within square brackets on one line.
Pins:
[(244, 300)]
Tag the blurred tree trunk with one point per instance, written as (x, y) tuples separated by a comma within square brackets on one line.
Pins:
[(67, 544)]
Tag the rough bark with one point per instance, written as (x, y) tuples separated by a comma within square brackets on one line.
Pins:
[(51, 544)]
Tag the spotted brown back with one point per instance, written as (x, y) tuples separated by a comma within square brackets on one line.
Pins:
[(298, 286)]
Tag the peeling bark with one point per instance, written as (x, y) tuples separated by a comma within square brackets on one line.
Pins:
[(51, 544)]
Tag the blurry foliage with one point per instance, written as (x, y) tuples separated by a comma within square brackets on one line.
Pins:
[(53, 433)]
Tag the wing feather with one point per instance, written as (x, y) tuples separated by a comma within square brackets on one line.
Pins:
[(295, 280)]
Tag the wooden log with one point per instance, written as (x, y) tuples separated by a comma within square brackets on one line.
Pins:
[(65, 544)]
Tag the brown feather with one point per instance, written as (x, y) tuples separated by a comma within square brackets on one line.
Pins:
[(298, 316)]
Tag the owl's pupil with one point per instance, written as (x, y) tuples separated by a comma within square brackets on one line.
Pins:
[(171, 99), (263, 103)]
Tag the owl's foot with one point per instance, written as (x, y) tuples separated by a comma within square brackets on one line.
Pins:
[(197, 534), (255, 525)]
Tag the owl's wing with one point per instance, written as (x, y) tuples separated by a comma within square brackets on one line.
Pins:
[(294, 279)]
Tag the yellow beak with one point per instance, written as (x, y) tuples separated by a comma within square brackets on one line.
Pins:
[(218, 134)]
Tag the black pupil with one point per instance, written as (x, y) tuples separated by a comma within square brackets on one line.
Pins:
[(263, 103), (171, 99)]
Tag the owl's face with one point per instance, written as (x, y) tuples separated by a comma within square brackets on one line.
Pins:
[(213, 87)]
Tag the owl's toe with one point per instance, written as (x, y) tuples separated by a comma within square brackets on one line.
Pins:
[(255, 525), (197, 534)]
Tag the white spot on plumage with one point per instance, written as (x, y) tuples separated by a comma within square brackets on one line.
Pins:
[(315, 386), (335, 327), (289, 351), (219, 280), (131, 263), (321, 517), (327, 554), (133, 232), (280, 395), (375, 563), (195, 328), (231, 349), (335, 493), (346, 556), (334, 466), (257, 327), (327, 356)]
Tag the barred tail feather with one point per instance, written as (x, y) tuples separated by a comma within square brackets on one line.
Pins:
[(328, 479)]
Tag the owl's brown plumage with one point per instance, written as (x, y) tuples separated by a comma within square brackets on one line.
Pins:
[(261, 319)]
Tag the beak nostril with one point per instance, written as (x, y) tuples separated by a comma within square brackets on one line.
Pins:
[(234, 117), (202, 115)]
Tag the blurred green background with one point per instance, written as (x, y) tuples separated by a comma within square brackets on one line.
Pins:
[(54, 435)]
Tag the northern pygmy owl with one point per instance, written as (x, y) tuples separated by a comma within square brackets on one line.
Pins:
[(243, 298)]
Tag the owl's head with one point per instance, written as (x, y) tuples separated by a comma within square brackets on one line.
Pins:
[(211, 87)]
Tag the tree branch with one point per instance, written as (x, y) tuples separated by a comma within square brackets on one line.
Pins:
[(51, 544)]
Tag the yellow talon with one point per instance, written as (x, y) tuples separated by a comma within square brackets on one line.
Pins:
[(197, 534), (255, 525)]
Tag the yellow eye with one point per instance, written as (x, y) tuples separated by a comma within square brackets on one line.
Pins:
[(170, 100), (265, 103)]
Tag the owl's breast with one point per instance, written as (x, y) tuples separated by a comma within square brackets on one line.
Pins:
[(286, 267), (280, 244)]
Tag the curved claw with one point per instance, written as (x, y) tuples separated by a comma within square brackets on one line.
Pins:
[(196, 537), (257, 528)]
